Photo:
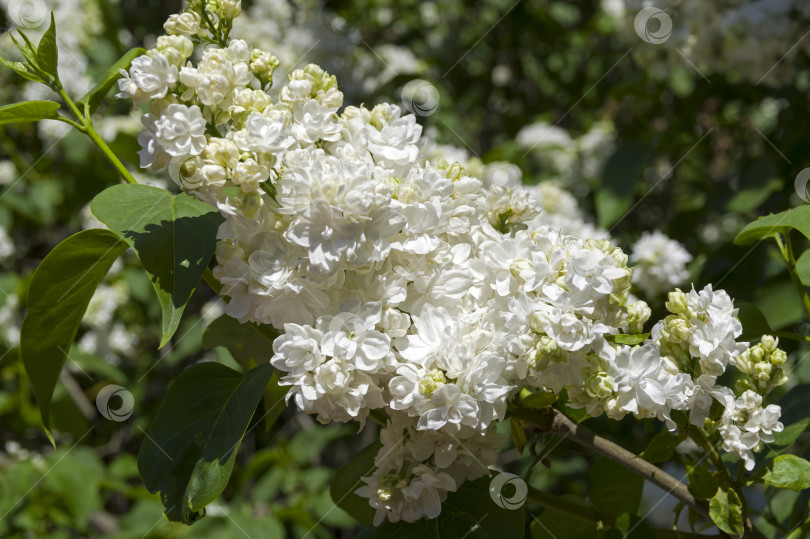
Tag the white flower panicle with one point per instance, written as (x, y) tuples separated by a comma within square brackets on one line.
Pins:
[(659, 264), (404, 284)]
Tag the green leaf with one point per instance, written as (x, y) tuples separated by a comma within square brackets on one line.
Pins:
[(556, 525), (95, 97), (22, 70), (780, 223), (347, 480), (803, 268), (622, 172), (58, 296), (28, 111), (726, 511), (614, 490), (47, 52), (790, 433), (191, 445), (789, 472), (518, 434), (26, 48), (702, 484), (173, 235), (244, 343), (662, 446), (754, 323), (756, 183), (631, 340), (539, 399), (469, 512), (629, 526)]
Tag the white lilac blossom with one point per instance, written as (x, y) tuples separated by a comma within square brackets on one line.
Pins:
[(576, 161), (659, 264), (408, 284)]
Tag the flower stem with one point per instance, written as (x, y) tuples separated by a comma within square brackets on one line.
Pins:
[(85, 125)]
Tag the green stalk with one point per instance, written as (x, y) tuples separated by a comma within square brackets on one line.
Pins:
[(85, 125)]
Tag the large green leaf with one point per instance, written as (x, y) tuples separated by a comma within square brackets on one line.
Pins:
[(614, 490), (191, 445), (619, 179), (780, 223), (469, 512), (58, 296), (662, 446), (28, 111), (173, 235), (96, 96), (788, 471), (726, 511), (790, 433), (701, 481), (245, 344), (347, 480)]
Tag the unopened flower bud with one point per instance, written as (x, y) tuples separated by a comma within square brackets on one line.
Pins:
[(676, 302), (762, 371), (769, 343), (183, 24), (778, 357)]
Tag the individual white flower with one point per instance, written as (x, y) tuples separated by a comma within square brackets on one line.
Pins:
[(265, 133), (395, 140), (149, 77), (635, 372), (314, 122), (181, 130)]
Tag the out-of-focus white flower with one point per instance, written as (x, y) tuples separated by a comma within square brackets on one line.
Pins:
[(659, 264)]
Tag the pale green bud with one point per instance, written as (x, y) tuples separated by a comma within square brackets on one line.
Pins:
[(762, 371), (676, 302), (779, 377), (677, 330), (778, 357), (769, 343), (600, 386), (743, 362)]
